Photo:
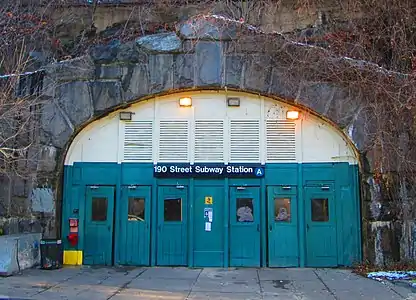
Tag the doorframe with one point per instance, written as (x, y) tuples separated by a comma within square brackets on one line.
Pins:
[(126, 188), (333, 187), (260, 216), (161, 183), (293, 192), (246, 182), (83, 219), (156, 183)]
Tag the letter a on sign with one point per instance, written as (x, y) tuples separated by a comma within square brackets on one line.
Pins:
[(208, 200), (259, 172)]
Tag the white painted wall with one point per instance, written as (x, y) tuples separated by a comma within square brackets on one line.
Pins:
[(316, 141)]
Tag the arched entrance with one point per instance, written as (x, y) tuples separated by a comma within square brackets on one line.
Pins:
[(212, 178)]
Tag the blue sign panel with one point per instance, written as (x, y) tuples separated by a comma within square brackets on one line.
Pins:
[(208, 170)]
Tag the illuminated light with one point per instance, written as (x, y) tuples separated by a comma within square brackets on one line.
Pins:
[(186, 102), (292, 115), (125, 115)]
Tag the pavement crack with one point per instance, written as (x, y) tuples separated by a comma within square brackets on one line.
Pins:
[(193, 284), (391, 287), (325, 285), (126, 284), (58, 283), (260, 286)]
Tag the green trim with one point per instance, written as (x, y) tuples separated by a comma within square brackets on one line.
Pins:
[(191, 222), (301, 220), (263, 223), (153, 224), (226, 223), (345, 178), (117, 221)]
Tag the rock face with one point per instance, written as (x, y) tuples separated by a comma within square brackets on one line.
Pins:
[(162, 42), (203, 53)]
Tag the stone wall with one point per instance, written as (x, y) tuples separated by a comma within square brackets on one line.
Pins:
[(206, 52), (27, 202), (269, 16), (282, 16)]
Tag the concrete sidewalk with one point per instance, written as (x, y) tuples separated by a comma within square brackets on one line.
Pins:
[(181, 283)]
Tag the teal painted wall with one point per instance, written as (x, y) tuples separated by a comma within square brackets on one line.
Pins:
[(343, 176)]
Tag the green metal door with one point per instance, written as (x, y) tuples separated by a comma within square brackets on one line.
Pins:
[(321, 232), (209, 226), (172, 237), (98, 233), (282, 226), (244, 226), (134, 242)]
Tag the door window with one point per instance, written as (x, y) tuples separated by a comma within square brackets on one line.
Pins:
[(173, 210), (319, 209), (245, 210), (99, 209), (136, 209), (282, 210)]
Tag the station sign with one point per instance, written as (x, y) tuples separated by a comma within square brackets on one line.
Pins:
[(208, 170)]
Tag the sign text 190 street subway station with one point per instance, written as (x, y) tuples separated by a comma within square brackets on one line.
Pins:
[(208, 170)]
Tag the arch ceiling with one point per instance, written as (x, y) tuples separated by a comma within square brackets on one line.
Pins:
[(210, 131)]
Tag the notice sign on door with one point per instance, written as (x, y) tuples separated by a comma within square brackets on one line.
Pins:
[(208, 200), (208, 214)]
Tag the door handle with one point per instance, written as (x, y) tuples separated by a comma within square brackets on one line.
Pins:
[(270, 227), (258, 227), (307, 226)]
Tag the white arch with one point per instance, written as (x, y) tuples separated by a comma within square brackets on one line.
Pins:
[(316, 139)]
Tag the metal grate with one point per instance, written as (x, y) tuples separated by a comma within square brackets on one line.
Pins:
[(209, 141), (174, 141), (244, 141), (138, 141), (280, 140)]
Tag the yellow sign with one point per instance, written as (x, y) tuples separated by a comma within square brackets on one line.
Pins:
[(208, 200)]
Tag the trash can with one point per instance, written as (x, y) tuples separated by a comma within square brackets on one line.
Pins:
[(51, 254)]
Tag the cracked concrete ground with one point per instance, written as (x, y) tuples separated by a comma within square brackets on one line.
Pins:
[(96, 283)]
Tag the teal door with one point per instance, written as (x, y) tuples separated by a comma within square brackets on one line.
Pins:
[(282, 226), (172, 237), (98, 232), (134, 237), (209, 226), (321, 233), (244, 227)]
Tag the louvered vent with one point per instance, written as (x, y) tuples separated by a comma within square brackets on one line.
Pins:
[(244, 141), (209, 141), (173, 141), (138, 141), (280, 140)]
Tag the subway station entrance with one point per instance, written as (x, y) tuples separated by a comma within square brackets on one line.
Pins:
[(230, 192)]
